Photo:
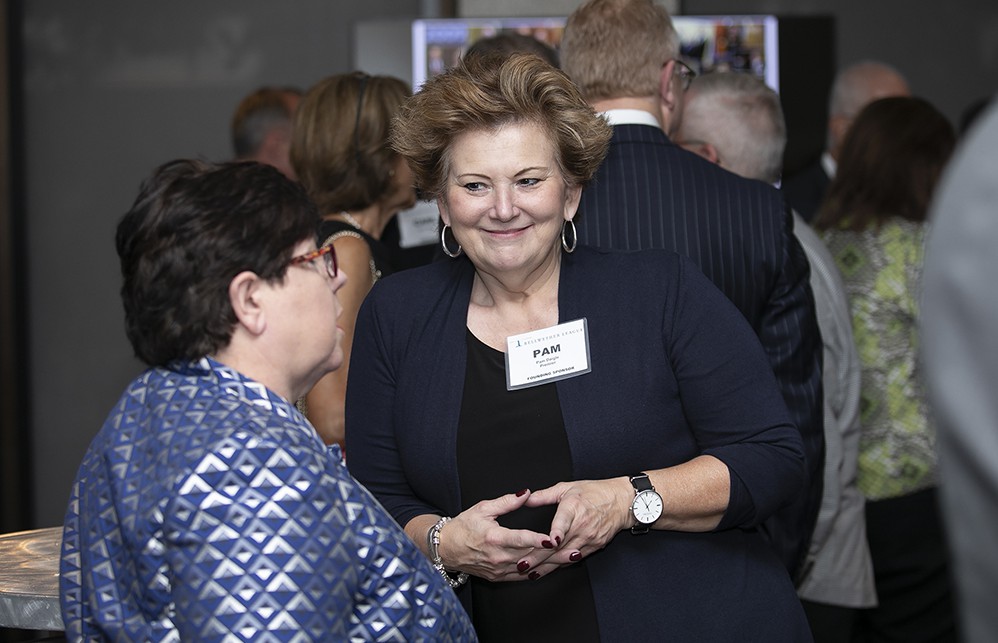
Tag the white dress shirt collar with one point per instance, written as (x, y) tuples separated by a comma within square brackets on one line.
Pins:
[(829, 165), (631, 117)]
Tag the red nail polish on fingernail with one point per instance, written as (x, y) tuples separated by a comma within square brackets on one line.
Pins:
[(575, 556), (534, 576), (522, 566), (557, 539), (547, 544), (520, 492)]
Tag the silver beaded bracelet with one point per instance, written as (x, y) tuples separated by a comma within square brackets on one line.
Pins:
[(433, 545)]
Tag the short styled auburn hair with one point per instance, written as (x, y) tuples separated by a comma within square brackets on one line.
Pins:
[(487, 92), (339, 139), (193, 227), (616, 48)]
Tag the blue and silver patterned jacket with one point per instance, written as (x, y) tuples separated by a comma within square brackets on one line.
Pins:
[(208, 509)]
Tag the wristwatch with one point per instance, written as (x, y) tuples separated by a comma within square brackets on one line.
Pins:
[(647, 504)]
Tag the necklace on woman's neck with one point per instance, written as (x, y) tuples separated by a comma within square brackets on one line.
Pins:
[(349, 219)]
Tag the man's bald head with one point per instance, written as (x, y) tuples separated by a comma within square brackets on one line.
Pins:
[(854, 88)]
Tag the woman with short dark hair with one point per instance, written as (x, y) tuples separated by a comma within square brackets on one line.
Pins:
[(207, 508)]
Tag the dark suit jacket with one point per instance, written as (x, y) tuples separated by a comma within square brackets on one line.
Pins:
[(676, 372), (650, 193), (806, 189)]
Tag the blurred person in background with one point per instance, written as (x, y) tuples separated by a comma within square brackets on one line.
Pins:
[(874, 224), (960, 352), (341, 154), (510, 42), (261, 127), (854, 87)]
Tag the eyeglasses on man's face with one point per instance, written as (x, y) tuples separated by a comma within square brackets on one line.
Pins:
[(684, 72), (328, 255)]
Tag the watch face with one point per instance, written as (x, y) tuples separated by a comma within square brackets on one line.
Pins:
[(647, 507)]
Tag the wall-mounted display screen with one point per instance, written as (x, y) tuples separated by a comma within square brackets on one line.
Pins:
[(743, 43)]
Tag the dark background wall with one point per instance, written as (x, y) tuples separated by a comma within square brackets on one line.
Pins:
[(947, 50), (112, 89)]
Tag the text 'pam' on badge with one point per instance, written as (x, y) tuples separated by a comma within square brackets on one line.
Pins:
[(547, 355)]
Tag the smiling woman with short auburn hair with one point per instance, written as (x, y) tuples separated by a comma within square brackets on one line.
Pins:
[(583, 443)]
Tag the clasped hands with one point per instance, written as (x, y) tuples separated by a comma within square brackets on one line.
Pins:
[(589, 515)]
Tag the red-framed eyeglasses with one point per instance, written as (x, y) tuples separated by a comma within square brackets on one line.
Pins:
[(328, 255)]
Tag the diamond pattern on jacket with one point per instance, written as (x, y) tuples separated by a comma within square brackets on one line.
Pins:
[(208, 509)]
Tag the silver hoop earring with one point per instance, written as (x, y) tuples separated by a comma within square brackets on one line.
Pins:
[(575, 237), (443, 244)]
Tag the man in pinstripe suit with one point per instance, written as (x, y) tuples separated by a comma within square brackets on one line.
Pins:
[(649, 193)]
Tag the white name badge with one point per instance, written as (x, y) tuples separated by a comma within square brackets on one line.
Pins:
[(547, 355), (418, 225)]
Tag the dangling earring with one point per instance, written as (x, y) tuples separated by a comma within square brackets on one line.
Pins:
[(443, 243), (575, 236)]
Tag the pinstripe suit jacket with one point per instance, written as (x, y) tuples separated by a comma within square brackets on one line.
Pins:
[(649, 193)]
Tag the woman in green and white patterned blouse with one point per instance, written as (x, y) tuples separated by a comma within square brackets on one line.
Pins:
[(874, 223)]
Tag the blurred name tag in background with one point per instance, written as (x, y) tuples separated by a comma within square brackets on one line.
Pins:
[(418, 225)]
